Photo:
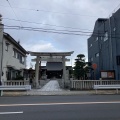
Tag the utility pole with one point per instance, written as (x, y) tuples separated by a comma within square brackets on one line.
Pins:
[(1, 45), (110, 42)]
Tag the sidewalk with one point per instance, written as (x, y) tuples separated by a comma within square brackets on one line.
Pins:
[(35, 92)]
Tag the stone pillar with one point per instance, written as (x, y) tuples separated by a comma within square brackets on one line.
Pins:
[(37, 72), (64, 71), (40, 70), (1, 48)]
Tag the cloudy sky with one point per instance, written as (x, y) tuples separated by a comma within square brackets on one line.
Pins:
[(48, 21)]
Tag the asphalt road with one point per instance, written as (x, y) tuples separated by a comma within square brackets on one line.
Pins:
[(84, 107)]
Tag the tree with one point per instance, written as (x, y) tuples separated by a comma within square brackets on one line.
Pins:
[(88, 67), (82, 69), (79, 71)]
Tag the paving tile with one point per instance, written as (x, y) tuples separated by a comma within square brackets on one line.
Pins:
[(52, 85)]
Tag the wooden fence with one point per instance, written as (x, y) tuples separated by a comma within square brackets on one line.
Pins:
[(88, 84)]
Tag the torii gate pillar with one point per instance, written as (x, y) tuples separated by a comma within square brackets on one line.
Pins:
[(37, 72), (64, 71)]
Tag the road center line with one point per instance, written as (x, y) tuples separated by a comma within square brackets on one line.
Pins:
[(67, 103), (4, 113)]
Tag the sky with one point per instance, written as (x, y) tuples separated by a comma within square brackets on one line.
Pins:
[(54, 25)]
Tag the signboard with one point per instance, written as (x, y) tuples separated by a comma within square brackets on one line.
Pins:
[(111, 75), (94, 66), (103, 74), (108, 74)]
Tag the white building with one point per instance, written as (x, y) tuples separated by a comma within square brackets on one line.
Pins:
[(13, 59)]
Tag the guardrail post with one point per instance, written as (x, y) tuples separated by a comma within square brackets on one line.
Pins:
[(96, 91), (1, 92), (117, 91)]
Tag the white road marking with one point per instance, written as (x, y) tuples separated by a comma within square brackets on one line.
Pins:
[(67, 103), (4, 113)]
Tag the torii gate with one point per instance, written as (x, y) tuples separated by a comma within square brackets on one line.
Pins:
[(40, 56)]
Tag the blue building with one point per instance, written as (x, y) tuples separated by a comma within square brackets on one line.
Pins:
[(104, 47)]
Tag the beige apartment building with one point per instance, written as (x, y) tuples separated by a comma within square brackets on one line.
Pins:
[(12, 58)]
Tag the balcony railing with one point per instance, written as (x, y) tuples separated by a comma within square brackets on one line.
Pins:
[(88, 84)]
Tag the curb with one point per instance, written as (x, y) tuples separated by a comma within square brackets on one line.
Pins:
[(59, 93)]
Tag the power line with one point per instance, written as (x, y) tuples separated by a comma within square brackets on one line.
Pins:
[(13, 11), (48, 29), (118, 6), (54, 12), (44, 30), (59, 32), (80, 31), (44, 24), (94, 35)]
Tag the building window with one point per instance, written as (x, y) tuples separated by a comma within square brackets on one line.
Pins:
[(17, 55), (118, 60), (106, 36), (96, 39), (100, 46), (90, 45), (6, 46), (97, 55), (23, 60), (20, 58), (14, 53), (114, 29), (91, 59)]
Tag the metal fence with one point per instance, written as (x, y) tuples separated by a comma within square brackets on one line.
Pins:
[(88, 84)]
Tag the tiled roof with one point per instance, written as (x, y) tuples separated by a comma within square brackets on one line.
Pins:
[(12, 40)]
